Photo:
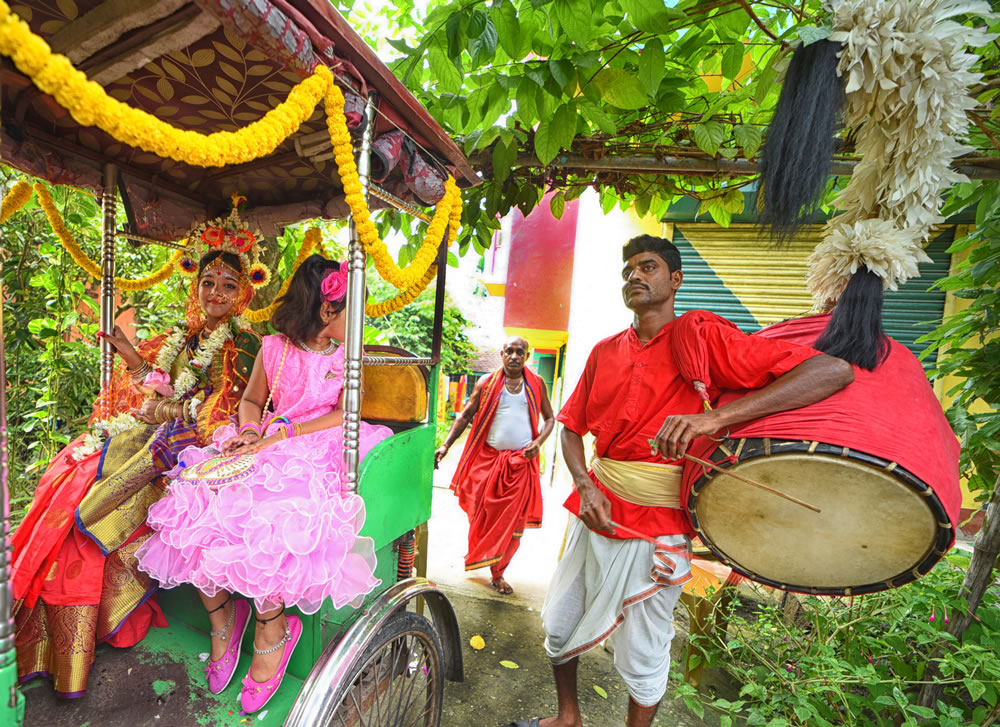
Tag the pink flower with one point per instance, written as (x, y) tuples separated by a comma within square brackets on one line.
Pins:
[(159, 381), (335, 284)]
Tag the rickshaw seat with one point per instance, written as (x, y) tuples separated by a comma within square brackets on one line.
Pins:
[(395, 396)]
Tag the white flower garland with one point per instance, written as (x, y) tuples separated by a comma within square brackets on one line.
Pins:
[(102, 430), (186, 381), (907, 77)]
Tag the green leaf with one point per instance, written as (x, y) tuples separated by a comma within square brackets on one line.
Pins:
[(709, 136), (508, 28), (650, 15), (976, 688), (564, 74), (483, 47), (557, 203), (749, 138), (730, 25), (555, 134), (476, 23), (600, 692), (527, 111), (652, 66), (596, 116), (811, 34), (620, 88), (732, 60), (449, 78), (575, 17), (503, 160)]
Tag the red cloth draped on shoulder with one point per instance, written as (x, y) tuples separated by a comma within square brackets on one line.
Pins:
[(628, 389), (890, 412), (500, 491)]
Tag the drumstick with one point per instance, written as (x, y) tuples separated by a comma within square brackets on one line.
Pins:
[(633, 533), (741, 478)]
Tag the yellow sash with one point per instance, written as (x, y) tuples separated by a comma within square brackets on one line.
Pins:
[(641, 483)]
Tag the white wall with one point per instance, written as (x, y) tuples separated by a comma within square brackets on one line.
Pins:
[(596, 308)]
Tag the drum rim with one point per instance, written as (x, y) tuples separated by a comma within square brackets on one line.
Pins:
[(749, 448)]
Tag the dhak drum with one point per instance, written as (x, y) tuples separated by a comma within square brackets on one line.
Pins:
[(877, 458)]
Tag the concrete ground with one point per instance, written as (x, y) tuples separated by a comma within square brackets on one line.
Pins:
[(131, 688), (493, 695)]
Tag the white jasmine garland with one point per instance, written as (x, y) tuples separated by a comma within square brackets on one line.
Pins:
[(171, 349), (103, 429)]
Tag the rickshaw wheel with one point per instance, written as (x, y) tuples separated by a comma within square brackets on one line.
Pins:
[(397, 682)]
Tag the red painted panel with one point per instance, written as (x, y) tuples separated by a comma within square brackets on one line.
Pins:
[(540, 268)]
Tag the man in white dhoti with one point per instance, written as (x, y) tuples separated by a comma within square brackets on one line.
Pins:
[(632, 398)]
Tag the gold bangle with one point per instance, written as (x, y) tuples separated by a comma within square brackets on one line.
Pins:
[(156, 411), (297, 428)]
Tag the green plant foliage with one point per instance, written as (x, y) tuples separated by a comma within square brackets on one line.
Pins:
[(527, 83), (968, 340), (51, 316), (860, 661), (411, 328)]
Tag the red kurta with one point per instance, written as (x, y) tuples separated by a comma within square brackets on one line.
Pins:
[(499, 491), (628, 389)]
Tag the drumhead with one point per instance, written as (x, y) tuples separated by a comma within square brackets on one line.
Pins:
[(874, 530)]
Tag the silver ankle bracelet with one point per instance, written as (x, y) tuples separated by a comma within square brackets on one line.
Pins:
[(284, 640), (223, 632)]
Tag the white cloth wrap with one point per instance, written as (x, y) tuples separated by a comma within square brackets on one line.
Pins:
[(601, 585)]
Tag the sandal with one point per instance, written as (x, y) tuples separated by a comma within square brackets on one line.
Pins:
[(255, 695)]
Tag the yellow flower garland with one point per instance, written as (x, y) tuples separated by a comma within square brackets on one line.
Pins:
[(14, 200), (444, 212), (83, 260), (89, 105), (377, 310), (312, 237)]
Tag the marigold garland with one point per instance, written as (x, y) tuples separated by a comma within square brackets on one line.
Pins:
[(377, 310), (312, 237), (83, 260), (89, 105), (444, 212), (14, 200)]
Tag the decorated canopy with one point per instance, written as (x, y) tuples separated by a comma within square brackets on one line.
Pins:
[(210, 66)]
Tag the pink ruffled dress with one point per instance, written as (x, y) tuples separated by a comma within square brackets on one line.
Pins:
[(275, 525)]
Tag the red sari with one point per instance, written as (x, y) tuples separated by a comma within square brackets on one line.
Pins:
[(500, 491)]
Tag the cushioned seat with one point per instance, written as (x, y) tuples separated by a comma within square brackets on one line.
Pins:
[(394, 395)]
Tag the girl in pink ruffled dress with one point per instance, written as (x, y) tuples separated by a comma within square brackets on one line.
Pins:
[(261, 512)]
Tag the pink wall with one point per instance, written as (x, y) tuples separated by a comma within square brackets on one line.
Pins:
[(540, 268)]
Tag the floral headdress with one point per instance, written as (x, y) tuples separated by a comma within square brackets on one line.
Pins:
[(334, 286), (229, 234)]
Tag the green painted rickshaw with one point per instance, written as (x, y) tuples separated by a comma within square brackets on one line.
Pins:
[(207, 66)]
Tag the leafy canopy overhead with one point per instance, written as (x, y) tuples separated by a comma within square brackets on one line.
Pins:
[(570, 94)]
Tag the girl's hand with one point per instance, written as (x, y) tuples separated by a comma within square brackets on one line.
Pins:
[(120, 343), (259, 445), (234, 444)]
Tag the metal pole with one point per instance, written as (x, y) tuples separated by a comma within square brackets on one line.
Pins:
[(438, 330), (108, 197), (356, 296), (11, 700)]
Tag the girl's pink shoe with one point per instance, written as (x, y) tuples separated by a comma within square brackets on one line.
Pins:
[(256, 694), (220, 673)]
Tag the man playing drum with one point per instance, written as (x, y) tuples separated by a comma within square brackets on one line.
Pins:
[(632, 399)]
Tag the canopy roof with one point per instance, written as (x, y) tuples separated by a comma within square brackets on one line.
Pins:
[(217, 65)]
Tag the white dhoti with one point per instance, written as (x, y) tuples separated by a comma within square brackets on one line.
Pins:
[(627, 588)]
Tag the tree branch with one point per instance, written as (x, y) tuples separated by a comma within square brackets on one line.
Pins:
[(759, 22), (982, 127)]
